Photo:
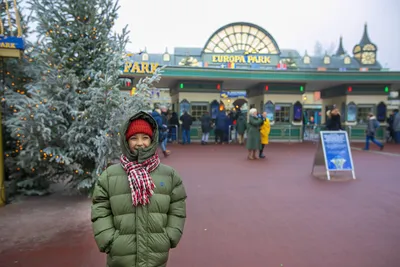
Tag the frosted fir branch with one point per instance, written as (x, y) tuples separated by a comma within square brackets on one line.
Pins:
[(149, 82)]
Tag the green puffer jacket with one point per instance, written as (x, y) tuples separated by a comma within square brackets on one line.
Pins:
[(253, 133), (138, 236)]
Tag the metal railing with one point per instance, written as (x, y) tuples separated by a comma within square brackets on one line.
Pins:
[(230, 139), (349, 132), (176, 132), (289, 129), (310, 132)]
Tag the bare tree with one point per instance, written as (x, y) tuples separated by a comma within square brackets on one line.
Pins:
[(318, 49), (331, 49)]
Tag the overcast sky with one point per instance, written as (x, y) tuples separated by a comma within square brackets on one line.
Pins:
[(295, 24)]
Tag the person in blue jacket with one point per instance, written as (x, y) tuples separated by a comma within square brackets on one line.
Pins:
[(163, 130), (221, 123)]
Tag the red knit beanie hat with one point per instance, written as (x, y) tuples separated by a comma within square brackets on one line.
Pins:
[(139, 126)]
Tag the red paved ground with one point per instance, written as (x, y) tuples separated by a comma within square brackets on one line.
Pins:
[(389, 148), (240, 213)]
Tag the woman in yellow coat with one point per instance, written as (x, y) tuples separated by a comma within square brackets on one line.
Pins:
[(264, 132)]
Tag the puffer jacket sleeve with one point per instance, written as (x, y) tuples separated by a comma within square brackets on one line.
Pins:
[(256, 122), (177, 210), (102, 218)]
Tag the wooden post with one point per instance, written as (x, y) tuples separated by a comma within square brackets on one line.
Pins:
[(2, 168)]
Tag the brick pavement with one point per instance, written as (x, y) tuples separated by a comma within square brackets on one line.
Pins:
[(243, 213), (389, 148)]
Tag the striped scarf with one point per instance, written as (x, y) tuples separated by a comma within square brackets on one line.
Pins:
[(139, 178)]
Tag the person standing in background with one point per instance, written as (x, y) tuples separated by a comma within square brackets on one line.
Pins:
[(241, 126), (173, 127), (162, 129), (220, 126), (372, 126), (187, 121), (396, 125), (390, 133), (334, 119), (264, 132), (205, 127), (253, 134), (164, 117)]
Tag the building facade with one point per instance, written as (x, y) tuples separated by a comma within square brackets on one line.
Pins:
[(241, 66)]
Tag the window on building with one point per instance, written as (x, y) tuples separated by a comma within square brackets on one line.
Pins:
[(214, 109), (351, 114), (166, 57), (347, 60), (381, 112), (327, 60), (184, 106), (362, 113), (145, 57), (282, 113), (306, 60), (297, 112), (198, 109), (270, 108)]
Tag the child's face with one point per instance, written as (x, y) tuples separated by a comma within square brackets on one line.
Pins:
[(139, 141)]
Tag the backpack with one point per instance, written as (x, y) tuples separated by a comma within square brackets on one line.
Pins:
[(376, 124)]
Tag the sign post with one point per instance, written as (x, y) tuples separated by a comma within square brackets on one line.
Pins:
[(10, 47), (333, 151)]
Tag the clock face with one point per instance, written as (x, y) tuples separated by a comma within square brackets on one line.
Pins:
[(368, 58), (369, 47)]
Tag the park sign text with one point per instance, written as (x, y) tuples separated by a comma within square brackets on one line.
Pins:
[(241, 59), (140, 67), (12, 43)]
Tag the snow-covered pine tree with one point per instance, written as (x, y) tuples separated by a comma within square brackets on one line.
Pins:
[(15, 73), (40, 125), (77, 98), (76, 46)]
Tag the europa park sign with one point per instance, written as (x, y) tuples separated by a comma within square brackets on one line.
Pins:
[(140, 67), (241, 59)]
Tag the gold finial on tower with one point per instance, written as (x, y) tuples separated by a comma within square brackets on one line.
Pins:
[(9, 18), (5, 5), (17, 19)]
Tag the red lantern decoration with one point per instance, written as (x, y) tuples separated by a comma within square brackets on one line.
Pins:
[(349, 89), (218, 86), (266, 88)]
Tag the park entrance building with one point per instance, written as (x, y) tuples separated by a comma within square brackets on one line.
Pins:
[(242, 66)]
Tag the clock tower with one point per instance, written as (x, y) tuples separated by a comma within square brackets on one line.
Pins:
[(365, 51)]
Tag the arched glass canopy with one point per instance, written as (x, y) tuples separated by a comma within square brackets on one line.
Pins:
[(241, 37)]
